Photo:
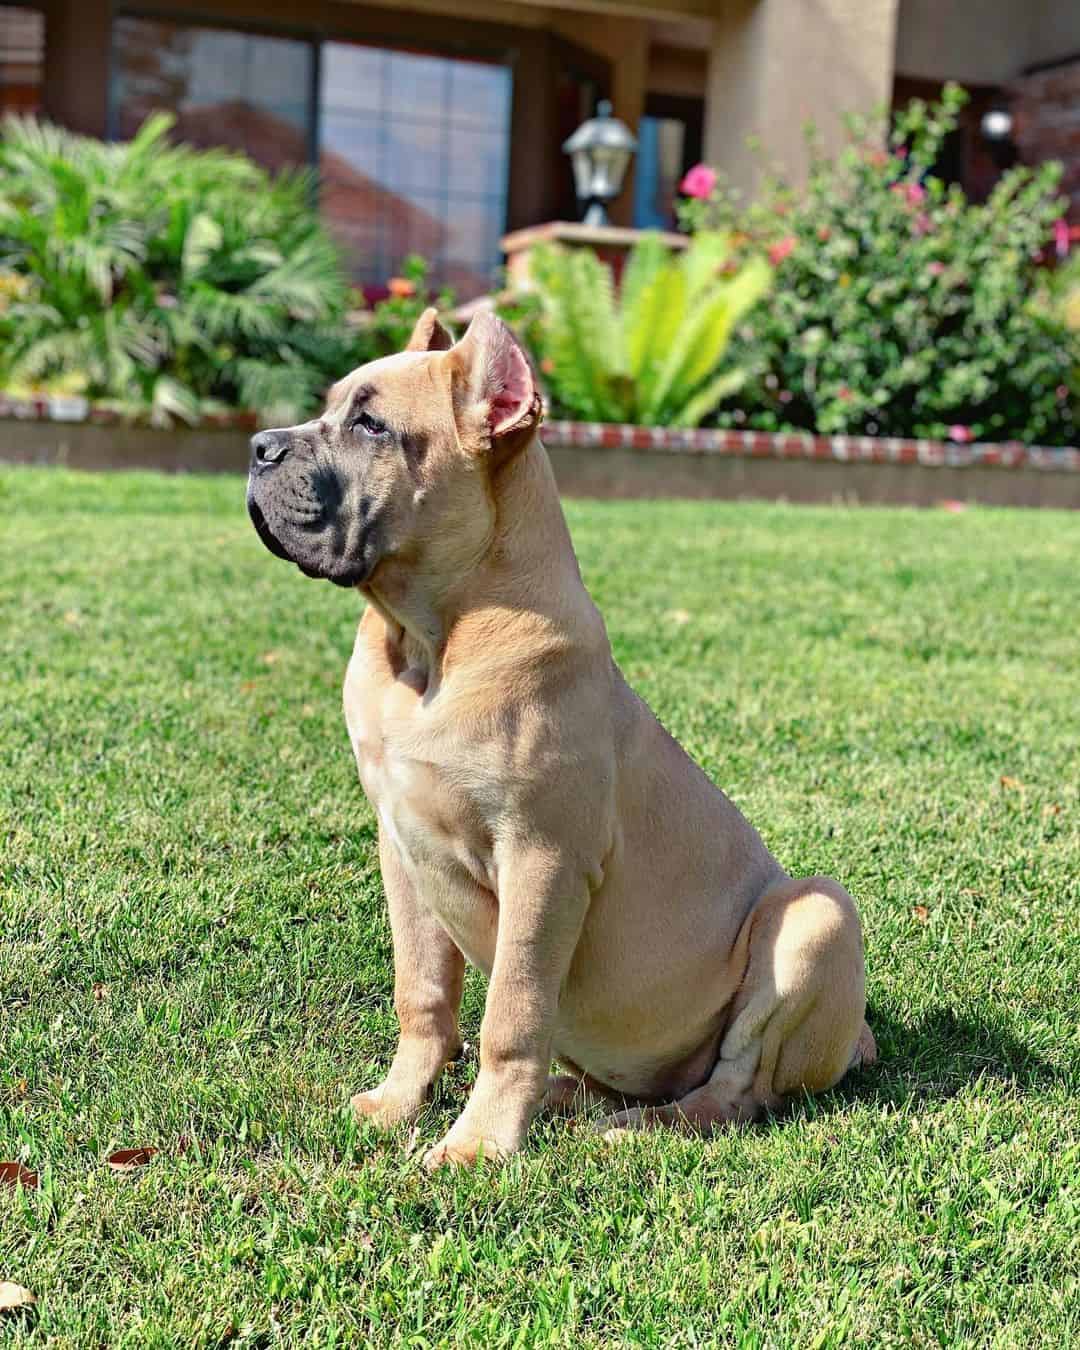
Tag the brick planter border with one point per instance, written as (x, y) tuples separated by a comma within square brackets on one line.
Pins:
[(606, 461), (667, 440), (804, 446), (73, 408)]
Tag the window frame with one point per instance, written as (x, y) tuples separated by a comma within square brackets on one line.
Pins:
[(367, 32), (314, 35), (221, 23)]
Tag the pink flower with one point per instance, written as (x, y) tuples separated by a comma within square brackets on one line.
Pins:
[(915, 194), (1062, 392), (844, 394), (781, 249), (1061, 237), (900, 152), (699, 182), (961, 434), (922, 224), (935, 268)]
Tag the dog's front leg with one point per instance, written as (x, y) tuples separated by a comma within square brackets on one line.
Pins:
[(429, 972), (542, 904)]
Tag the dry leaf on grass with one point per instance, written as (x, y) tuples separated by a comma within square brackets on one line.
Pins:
[(128, 1160), (1011, 784), (15, 1174), (14, 1296), (920, 912)]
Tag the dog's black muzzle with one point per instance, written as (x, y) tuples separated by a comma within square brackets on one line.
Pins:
[(304, 500), (268, 449)]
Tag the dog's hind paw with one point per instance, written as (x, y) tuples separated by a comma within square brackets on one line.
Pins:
[(865, 1049)]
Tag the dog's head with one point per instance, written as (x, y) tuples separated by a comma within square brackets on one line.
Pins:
[(400, 466)]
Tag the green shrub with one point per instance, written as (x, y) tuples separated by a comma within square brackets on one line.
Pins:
[(1060, 294), (387, 326), (654, 353), (164, 281), (901, 308)]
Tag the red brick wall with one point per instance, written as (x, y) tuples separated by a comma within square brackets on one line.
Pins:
[(1047, 112)]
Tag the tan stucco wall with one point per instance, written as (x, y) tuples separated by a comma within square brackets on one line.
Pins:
[(1057, 31), (973, 41), (983, 41), (776, 64)]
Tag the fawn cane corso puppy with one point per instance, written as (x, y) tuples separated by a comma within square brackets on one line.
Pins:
[(534, 817)]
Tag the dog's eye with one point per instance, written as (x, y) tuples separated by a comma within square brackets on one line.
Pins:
[(369, 424)]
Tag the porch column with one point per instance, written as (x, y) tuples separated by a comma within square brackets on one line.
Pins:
[(77, 64), (776, 64)]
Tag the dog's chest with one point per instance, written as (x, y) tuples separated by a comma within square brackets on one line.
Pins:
[(432, 820)]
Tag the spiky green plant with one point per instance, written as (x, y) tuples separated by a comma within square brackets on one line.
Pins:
[(654, 352), (165, 281)]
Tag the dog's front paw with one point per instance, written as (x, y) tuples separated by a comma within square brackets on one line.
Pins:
[(465, 1151), (386, 1108)]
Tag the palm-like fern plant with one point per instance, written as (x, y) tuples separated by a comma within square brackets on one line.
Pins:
[(166, 281), (653, 354)]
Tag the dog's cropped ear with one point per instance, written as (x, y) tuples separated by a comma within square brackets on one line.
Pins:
[(495, 392), (429, 335)]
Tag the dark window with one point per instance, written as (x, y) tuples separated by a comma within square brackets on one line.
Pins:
[(415, 152), (241, 90), (22, 59), (412, 148)]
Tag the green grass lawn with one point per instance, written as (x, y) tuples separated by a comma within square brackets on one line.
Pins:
[(193, 944)]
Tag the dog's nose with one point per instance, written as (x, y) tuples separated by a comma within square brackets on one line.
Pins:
[(269, 447)]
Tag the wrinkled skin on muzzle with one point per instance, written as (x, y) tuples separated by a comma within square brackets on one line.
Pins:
[(308, 504)]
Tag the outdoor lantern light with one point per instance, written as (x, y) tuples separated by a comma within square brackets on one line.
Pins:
[(600, 151), (996, 124)]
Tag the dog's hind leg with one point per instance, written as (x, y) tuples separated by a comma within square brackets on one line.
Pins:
[(574, 1092), (796, 1024)]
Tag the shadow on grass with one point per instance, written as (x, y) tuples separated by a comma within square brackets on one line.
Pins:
[(937, 1056)]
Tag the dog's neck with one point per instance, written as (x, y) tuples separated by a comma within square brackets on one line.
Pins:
[(528, 567)]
